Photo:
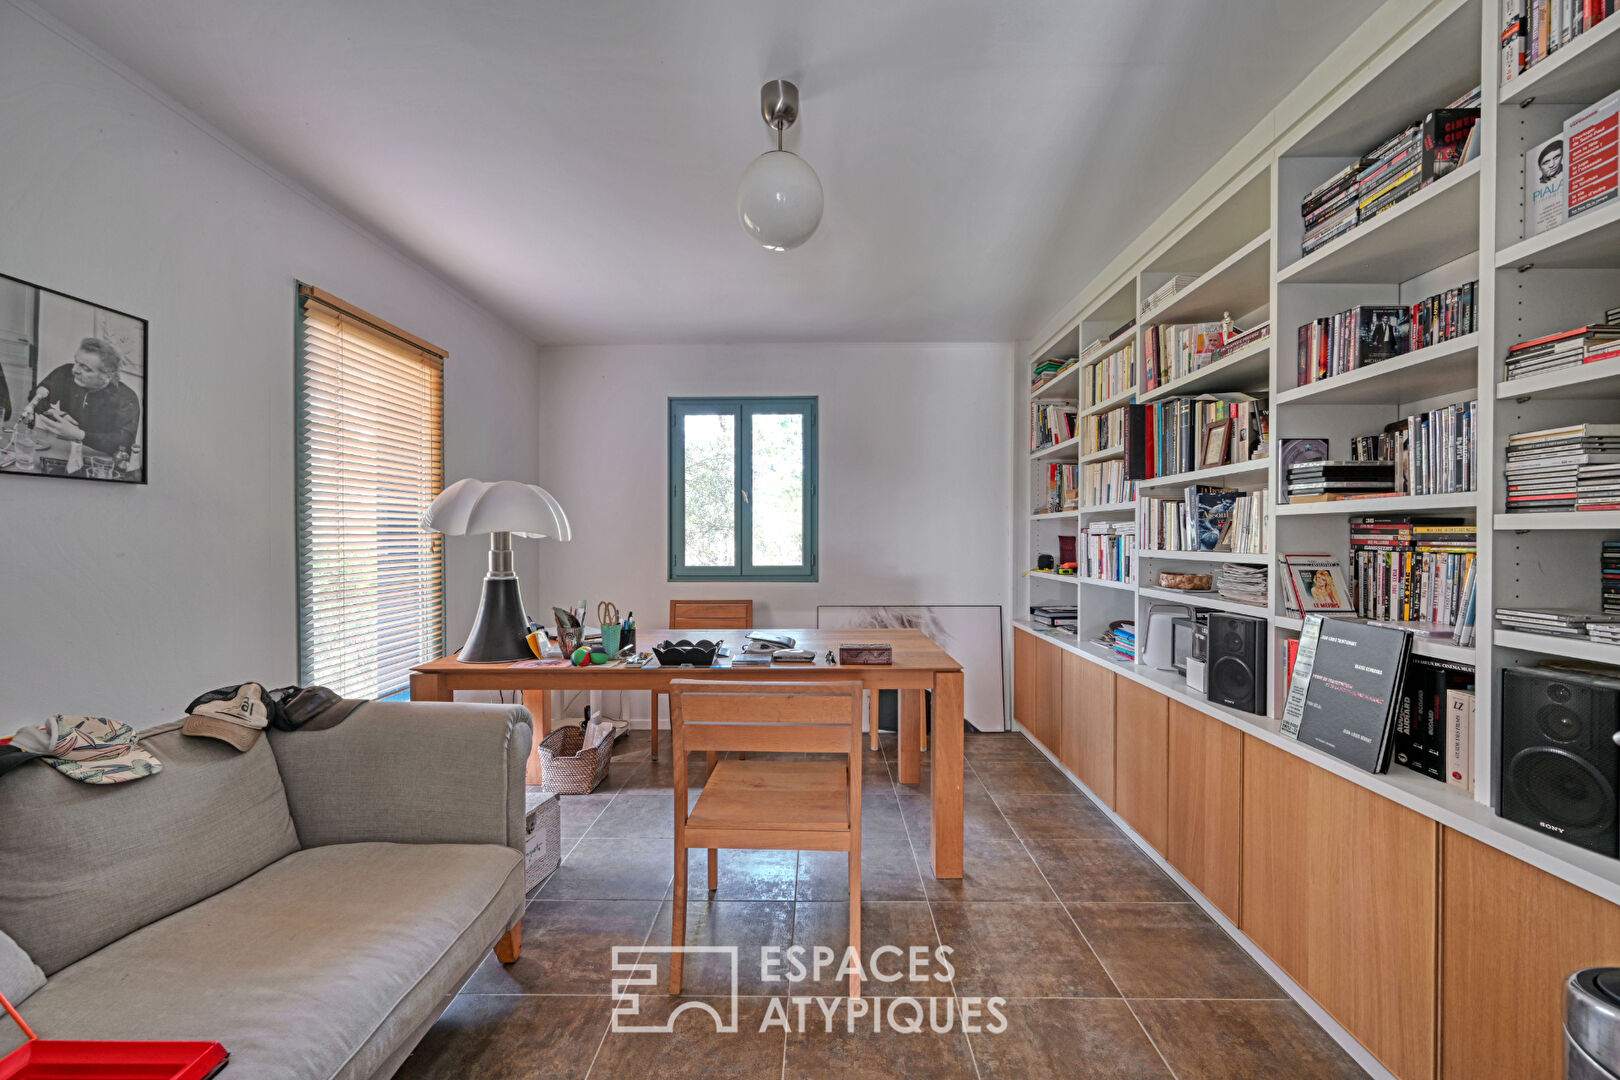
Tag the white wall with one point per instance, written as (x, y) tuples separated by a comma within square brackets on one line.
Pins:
[(915, 484), (127, 601)]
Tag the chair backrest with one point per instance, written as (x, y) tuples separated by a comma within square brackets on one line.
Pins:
[(711, 614), (804, 718)]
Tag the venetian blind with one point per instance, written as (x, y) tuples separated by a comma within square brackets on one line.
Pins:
[(370, 458)]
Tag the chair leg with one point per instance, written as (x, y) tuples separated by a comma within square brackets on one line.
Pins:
[(873, 725), (655, 725), (855, 916), (678, 920), (714, 869), (510, 946)]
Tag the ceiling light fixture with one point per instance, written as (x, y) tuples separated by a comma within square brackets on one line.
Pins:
[(779, 196)]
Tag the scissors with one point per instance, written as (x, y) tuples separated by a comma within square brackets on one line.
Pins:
[(606, 613)]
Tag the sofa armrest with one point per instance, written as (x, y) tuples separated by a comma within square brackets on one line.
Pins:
[(409, 772)]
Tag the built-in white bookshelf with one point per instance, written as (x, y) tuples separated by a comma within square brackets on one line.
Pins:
[(1238, 243)]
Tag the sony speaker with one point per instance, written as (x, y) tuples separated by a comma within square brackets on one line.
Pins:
[(1236, 674), (1560, 763)]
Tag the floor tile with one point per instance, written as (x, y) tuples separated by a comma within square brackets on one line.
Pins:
[(1075, 1039), (1022, 777), (568, 948), (694, 1049), (889, 871), (506, 1037), (749, 925), (991, 870), (1102, 870), (745, 875), (1056, 817), (1243, 1040), (637, 814), (853, 1050), (1170, 951), (1000, 746), (579, 812), (904, 925), (1019, 950), (613, 870)]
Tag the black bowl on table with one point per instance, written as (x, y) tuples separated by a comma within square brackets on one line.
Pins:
[(684, 653)]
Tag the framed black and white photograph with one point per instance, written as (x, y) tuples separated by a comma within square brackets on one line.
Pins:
[(72, 387)]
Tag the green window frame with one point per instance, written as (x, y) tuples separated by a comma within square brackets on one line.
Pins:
[(742, 410)]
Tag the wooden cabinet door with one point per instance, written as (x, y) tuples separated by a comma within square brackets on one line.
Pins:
[(1024, 646), (1086, 741), (1204, 833), (1341, 888), (1140, 737), (1510, 936)]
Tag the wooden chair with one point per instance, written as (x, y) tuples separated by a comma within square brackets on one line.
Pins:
[(703, 615), (812, 805)]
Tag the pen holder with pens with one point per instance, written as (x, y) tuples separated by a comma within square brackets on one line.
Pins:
[(612, 638)]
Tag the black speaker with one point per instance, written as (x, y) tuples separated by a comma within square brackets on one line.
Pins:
[(1236, 675), (1560, 763)]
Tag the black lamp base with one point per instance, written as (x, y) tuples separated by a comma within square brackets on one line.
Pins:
[(500, 629)]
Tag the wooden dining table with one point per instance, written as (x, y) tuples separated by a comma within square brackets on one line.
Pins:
[(919, 667)]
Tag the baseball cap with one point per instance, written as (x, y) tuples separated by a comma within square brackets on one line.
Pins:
[(234, 714), (89, 749), (310, 708)]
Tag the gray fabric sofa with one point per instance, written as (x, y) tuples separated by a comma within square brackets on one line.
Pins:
[(313, 904)]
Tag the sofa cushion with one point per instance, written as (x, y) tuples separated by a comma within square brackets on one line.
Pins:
[(315, 967), (86, 864), (19, 975)]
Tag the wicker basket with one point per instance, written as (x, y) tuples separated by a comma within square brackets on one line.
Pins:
[(569, 766)]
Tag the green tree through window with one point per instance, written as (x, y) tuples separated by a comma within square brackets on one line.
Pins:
[(742, 488)]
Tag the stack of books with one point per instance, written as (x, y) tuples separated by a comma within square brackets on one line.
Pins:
[(1046, 370), (1350, 340), (1545, 468), (1121, 639), (1168, 437), (1329, 210), (1160, 296), (1604, 633), (1050, 424), (1110, 551), (1176, 350), (1054, 616), (1436, 700), (1241, 583), (1242, 340), (1113, 374), (1557, 622), (1444, 316), (1103, 431), (1390, 173), (1567, 348), (1409, 569), (1533, 30), (1611, 577), (1206, 519), (1062, 487), (1434, 453), (1105, 484), (1324, 481)]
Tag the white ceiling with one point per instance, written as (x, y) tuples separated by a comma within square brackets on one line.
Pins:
[(574, 165)]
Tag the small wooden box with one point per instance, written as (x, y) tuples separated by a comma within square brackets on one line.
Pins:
[(542, 841), (866, 653)]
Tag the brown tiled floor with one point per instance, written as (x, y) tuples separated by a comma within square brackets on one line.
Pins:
[(1108, 969)]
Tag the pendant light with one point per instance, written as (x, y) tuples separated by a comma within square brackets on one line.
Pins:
[(779, 197)]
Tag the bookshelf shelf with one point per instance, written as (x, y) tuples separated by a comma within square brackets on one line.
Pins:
[(1205, 476), (1434, 227), (1249, 557), (1054, 515), (1102, 455), (1105, 583), (1210, 600), (1393, 504), (1109, 508), (1575, 648), (1451, 367), (1578, 74), (1056, 449), (1247, 369), (1599, 380), (1061, 387), (1589, 242), (1238, 284), (1604, 520), (1122, 398), (1047, 575)]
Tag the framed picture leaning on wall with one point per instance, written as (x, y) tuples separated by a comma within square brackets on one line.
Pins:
[(72, 387)]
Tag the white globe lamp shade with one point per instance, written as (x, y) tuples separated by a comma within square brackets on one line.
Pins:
[(779, 200)]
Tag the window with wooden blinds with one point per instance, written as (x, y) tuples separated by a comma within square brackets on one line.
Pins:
[(370, 458)]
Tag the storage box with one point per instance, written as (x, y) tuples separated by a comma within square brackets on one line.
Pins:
[(542, 837), (866, 653)]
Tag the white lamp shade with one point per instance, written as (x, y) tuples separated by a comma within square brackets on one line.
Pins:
[(470, 506), (779, 200)]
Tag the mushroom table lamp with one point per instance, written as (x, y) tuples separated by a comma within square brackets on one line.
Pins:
[(503, 509)]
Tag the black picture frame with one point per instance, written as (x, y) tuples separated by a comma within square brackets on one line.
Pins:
[(50, 343)]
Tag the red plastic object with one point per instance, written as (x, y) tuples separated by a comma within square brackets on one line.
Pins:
[(75, 1059)]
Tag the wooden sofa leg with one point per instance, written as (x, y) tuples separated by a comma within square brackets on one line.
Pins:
[(510, 946)]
